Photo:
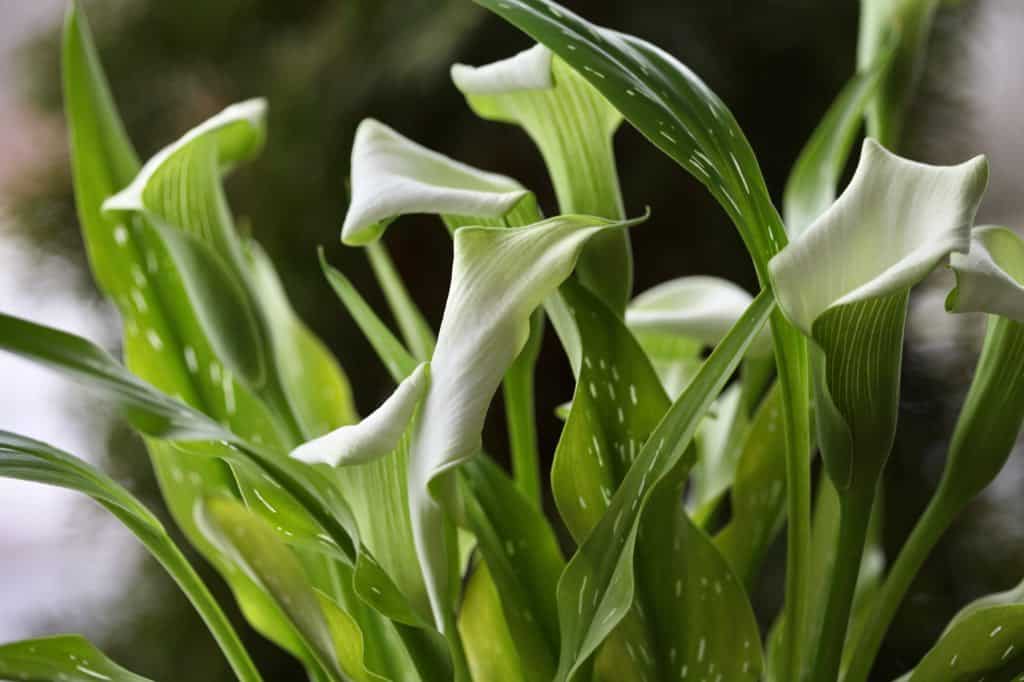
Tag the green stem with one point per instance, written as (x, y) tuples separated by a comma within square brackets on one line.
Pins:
[(171, 558), (418, 335), (520, 414), (854, 517), (930, 527), (794, 381), (522, 433)]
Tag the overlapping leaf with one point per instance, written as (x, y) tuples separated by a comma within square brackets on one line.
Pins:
[(31, 460), (597, 589)]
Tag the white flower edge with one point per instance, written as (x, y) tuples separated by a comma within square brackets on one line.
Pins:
[(699, 307), (376, 435), (499, 277), (394, 176), (251, 112), (894, 223), (527, 70), (989, 277)]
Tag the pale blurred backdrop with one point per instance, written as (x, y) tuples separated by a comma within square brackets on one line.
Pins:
[(324, 65)]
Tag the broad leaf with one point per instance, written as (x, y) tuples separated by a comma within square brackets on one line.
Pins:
[(259, 551), (617, 404), (597, 588), (60, 658), (179, 189), (490, 650), (522, 560), (984, 641)]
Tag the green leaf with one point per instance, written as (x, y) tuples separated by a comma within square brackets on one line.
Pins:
[(666, 102), (417, 333), (699, 608), (757, 498), (522, 562), (398, 361), (489, 648), (143, 406), (219, 301), (984, 641), (30, 460), (811, 186), (60, 658), (179, 188), (597, 588), (617, 404), (316, 388), (572, 125), (904, 25), (258, 550)]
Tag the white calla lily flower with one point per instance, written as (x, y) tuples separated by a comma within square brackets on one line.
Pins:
[(376, 435), (990, 277), (572, 125), (499, 277), (894, 223), (394, 176), (700, 308)]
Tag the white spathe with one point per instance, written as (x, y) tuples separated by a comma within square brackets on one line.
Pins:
[(499, 277), (394, 176), (528, 70), (893, 224), (701, 308), (989, 276), (376, 435)]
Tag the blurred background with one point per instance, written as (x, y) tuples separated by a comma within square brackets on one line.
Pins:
[(324, 65)]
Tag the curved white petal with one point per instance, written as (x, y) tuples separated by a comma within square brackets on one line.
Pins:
[(375, 436), (891, 226), (528, 70), (499, 277), (394, 176), (700, 308), (250, 114), (989, 277)]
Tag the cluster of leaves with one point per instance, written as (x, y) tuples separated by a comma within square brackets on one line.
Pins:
[(392, 547)]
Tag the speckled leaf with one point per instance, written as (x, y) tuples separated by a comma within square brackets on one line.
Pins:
[(164, 342), (699, 608), (984, 641), (523, 562), (596, 593), (666, 102), (60, 658)]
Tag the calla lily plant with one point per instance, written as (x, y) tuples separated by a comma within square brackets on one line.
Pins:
[(392, 546)]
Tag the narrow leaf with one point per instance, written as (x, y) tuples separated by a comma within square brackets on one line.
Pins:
[(60, 658)]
